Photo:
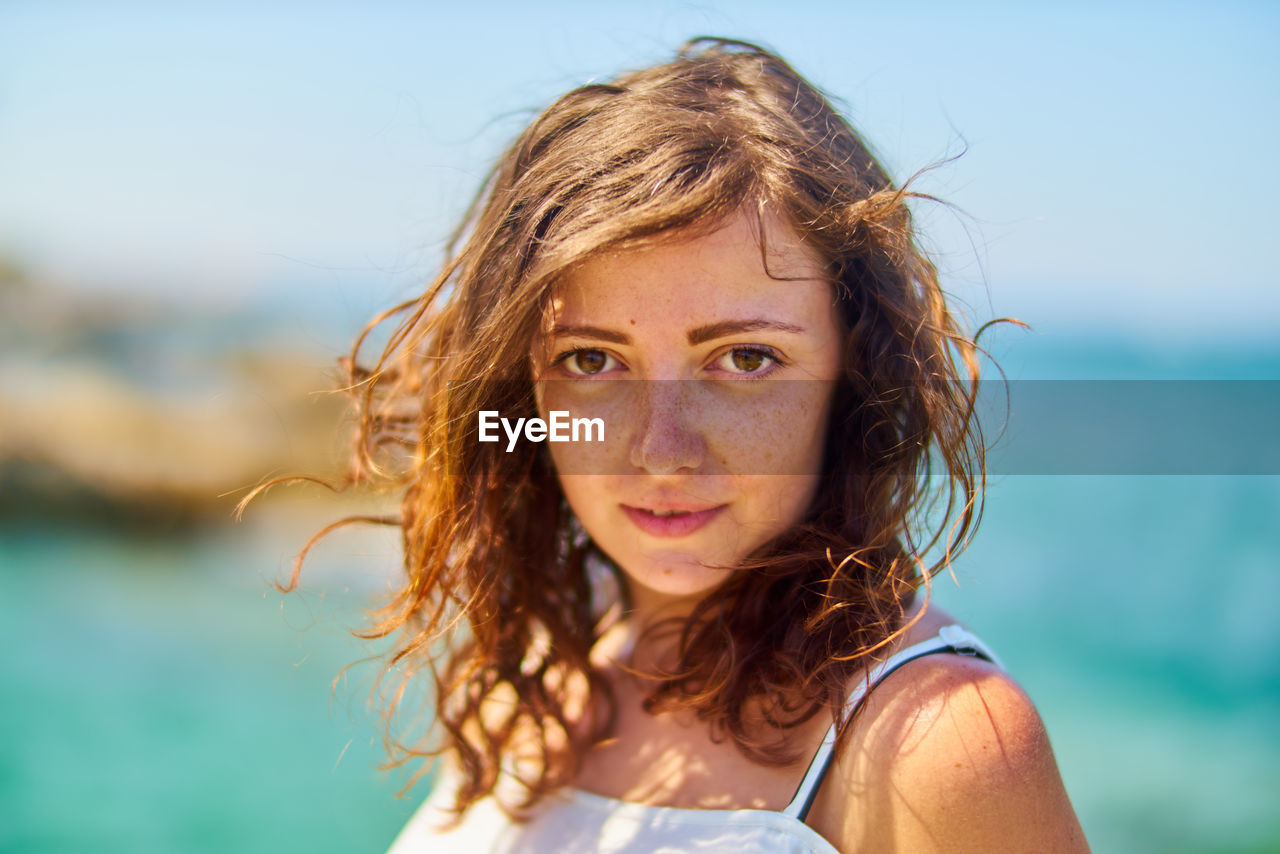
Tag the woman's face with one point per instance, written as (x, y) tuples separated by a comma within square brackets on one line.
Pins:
[(713, 379)]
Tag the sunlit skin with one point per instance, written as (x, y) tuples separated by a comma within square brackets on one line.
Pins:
[(727, 370)]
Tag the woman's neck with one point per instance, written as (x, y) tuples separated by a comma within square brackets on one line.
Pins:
[(646, 637)]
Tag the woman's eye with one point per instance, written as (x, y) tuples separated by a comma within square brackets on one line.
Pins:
[(587, 362), (748, 360)]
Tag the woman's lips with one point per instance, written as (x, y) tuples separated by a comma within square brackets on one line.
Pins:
[(679, 524)]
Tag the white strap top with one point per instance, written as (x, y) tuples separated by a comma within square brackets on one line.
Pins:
[(576, 822)]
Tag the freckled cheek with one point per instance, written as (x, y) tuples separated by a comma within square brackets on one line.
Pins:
[(778, 433), (588, 495), (598, 408), (771, 504)]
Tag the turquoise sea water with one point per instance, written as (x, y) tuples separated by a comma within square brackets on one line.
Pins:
[(158, 695)]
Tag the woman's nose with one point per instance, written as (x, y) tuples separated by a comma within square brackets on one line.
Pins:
[(666, 439)]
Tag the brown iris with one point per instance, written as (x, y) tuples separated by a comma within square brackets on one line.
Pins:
[(590, 361), (748, 361)]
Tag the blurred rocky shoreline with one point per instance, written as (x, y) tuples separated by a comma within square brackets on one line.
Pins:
[(144, 414)]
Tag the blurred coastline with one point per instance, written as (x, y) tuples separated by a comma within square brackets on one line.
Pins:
[(152, 675), (149, 414)]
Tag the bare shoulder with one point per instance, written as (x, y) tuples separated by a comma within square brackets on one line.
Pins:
[(948, 754)]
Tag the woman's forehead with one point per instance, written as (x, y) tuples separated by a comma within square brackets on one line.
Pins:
[(743, 259)]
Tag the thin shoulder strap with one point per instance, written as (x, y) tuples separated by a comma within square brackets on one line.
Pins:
[(948, 639)]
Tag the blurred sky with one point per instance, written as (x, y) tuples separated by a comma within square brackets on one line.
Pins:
[(1120, 170)]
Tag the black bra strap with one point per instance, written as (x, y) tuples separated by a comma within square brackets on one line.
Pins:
[(951, 639)]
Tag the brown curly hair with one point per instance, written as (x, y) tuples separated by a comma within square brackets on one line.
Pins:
[(497, 604)]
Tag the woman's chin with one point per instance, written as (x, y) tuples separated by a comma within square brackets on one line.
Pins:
[(675, 575)]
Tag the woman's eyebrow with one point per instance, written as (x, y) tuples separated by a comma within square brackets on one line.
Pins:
[(698, 335), (732, 327), (580, 331)]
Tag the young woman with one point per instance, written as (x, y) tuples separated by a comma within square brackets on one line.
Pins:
[(674, 630)]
